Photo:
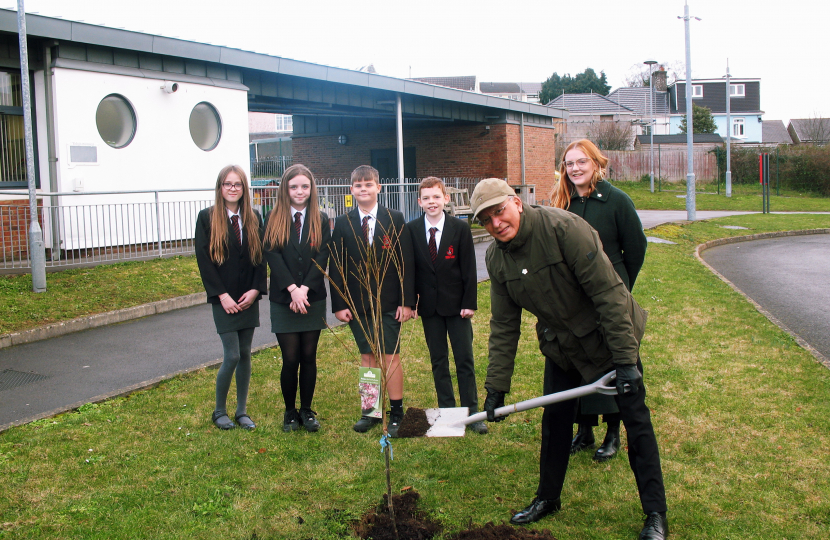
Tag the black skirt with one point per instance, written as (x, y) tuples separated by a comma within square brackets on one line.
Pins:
[(285, 321), (233, 322)]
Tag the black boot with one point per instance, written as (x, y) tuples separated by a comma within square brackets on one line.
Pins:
[(611, 444), (584, 439)]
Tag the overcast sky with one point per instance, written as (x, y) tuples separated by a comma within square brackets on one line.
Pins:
[(782, 43)]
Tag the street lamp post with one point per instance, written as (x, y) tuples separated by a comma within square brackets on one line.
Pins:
[(650, 64), (690, 170), (728, 132)]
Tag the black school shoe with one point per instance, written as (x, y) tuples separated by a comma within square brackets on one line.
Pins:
[(291, 421), (308, 419), (221, 420), (656, 527), (365, 424), (395, 419), (245, 422), (537, 509)]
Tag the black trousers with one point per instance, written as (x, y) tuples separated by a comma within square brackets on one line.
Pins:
[(460, 331), (643, 454)]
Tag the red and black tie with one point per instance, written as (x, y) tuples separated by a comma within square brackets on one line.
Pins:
[(366, 229), (298, 225), (236, 229), (433, 249)]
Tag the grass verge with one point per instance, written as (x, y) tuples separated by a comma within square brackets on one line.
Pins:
[(740, 412)]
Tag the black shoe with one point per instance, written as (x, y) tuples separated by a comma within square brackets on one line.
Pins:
[(610, 446), (310, 423), (291, 421), (395, 419), (536, 511), (245, 422), (584, 439), (479, 427), (365, 424), (220, 419), (656, 527)]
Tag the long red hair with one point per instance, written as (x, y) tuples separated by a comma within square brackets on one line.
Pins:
[(562, 191)]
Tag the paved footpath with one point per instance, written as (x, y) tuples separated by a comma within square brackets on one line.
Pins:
[(116, 359)]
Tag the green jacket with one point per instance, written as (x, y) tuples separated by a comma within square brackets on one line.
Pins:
[(611, 212), (555, 268)]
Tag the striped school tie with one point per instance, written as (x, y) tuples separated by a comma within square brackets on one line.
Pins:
[(236, 229), (433, 249), (298, 226)]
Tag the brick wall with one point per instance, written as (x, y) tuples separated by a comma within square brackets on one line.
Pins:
[(14, 228), (459, 151)]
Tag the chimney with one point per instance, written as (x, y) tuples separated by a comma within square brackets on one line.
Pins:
[(659, 78)]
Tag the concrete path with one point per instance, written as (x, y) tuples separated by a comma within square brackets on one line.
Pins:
[(113, 360)]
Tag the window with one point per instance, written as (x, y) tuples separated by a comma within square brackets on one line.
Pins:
[(205, 126), (284, 122), (12, 143), (116, 121), (697, 90), (737, 127), (737, 90)]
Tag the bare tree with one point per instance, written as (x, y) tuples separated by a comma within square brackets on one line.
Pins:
[(816, 130), (611, 135), (637, 76)]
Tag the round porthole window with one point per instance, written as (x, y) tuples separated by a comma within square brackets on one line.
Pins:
[(205, 126), (116, 121)]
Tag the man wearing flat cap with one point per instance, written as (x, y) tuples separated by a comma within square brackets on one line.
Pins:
[(551, 263)]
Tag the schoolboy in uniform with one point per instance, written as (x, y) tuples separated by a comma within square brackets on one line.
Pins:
[(445, 282), (370, 227)]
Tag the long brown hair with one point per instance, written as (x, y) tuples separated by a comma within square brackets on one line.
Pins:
[(278, 231), (561, 196), (219, 220)]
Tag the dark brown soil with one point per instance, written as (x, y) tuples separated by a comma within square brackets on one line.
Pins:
[(414, 423), (412, 523), (501, 532)]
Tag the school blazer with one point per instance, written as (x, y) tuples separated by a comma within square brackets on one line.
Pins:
[(296, 263), (237, 275), (348, 247), (449, 285)]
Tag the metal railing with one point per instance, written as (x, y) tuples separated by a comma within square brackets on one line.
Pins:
[(82, 229), (271, 167)]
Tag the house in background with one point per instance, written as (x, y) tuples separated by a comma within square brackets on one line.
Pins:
[(810, 130), (638, 99), (517, 91), (745, 105), (464, 82), (591, 114), (774, 133)]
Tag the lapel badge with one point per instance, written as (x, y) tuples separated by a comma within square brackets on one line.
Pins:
[(450, 253)]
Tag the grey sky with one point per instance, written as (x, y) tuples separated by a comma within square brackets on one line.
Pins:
[(504, 41)]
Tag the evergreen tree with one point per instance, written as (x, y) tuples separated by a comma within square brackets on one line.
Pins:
[(582, 83), (702, 119)]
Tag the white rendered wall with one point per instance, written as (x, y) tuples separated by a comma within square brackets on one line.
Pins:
[(162, 155)]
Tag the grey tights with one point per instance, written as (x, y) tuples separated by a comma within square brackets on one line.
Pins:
[(237, 359)]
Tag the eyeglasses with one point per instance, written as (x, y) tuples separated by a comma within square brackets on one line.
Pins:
[(484, 221), (231, 187), (581, 162)]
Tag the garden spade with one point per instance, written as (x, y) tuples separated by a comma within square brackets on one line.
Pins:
[(451, 422)]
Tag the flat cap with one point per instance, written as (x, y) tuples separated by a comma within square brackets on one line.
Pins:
[(489, 192)]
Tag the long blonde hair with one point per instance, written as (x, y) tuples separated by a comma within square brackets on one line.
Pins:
[(219, 220), (278, 231), (562, 191)]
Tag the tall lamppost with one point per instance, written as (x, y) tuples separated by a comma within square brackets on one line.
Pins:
[(650, 64), (690, 170), (728, 132)]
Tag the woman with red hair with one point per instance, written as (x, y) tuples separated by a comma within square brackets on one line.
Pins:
[(610, 211)]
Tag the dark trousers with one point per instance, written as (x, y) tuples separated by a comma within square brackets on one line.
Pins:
[(643, 454), (460, 331)]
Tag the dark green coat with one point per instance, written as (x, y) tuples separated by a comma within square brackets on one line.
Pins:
[(555, 268), (611, 212)]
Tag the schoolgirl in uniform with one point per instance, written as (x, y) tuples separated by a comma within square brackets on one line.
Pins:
[(229, 255), (296, 244)]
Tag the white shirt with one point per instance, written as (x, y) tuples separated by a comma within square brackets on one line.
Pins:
[(241, 227), (302, 217), (373, 215), (439, 226)]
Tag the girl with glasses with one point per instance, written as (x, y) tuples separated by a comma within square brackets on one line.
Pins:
[(582, 190), (296, 243), (229, 254)]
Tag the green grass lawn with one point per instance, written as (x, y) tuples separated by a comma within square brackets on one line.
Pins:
[(745, 197), (740, 410)]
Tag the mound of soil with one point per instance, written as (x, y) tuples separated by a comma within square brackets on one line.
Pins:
[(414, 423), (412, 523), (501, 532)]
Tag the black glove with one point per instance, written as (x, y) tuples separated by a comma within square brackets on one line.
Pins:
[(495, 399), (629, 379)]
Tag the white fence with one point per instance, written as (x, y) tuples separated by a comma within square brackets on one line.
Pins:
[(88, 228)]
